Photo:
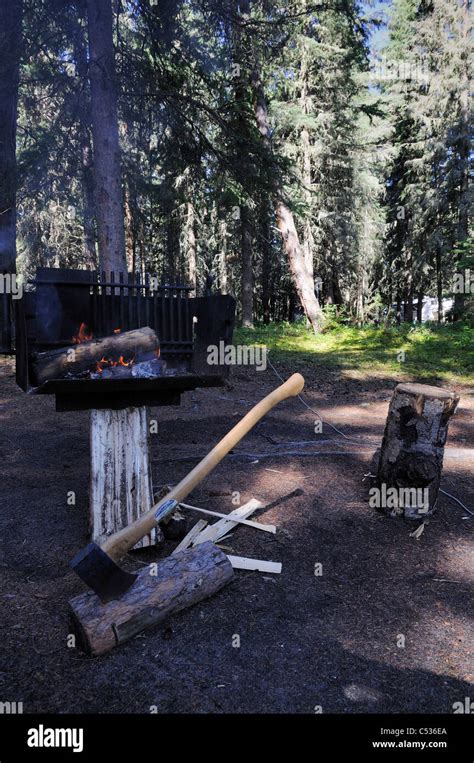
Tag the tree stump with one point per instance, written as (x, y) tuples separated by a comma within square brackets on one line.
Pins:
[(120, 486), (159, 590), (411, 457)]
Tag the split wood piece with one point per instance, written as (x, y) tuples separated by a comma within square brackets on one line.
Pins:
[(73, 360), (120, 486), (221, 528), (192, 534), (411, 456), (243, 563), (239, 521), (159, 591)]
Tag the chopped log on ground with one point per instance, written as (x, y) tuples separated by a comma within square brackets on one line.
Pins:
[(411, 456), (159, 591), (78, 358), (121, 485)]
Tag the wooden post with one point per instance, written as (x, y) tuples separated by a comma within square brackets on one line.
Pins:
[(412, 450), (159, 590), (120, 486)]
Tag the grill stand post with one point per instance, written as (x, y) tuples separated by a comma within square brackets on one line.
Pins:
[(120, 482)]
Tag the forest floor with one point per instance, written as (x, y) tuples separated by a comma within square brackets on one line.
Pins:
[(385, 628)]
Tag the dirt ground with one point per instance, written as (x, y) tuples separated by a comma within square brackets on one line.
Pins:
[(332, 641)]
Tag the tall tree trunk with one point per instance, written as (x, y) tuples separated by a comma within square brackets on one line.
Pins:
[(464, 153), (88, 206), (172, 243), (241, 53), (409, 302), (10, 46), (419, 306), (107, 165), (439, 283), (285, 222), (222, 261), (247, 267), (266, 248), (191, 248), (308, 238), (84, 118), (10, 51), (130, 226)]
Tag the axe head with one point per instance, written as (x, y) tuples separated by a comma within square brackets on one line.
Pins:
[(101, 573)]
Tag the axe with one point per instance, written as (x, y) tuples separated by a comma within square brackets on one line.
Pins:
[(97, 564)]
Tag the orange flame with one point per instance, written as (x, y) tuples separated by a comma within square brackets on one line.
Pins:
[(108, 363), (82, 335)]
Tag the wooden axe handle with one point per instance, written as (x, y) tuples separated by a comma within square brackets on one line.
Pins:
[(122, 541)]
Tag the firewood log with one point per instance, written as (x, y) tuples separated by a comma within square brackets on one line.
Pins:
[(77, 358)]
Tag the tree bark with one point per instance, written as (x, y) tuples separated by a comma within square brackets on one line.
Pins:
[(107, 164), (439, 283), (302, 279), (464, 152), (120, 485), (180, 581), (222, 267), (10, 48), (266, 248), (191, 248), (247, 267), (412, 450), (84, 118)]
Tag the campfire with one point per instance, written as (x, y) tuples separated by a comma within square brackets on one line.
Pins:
[(120, 355), (98, 341)]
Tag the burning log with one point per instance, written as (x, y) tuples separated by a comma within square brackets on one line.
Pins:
[(149, 369), (91, 354)]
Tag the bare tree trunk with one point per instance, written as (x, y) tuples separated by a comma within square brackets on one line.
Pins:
[(84, 118), (191, 247), (10, 45), (130, 226), (464, 154), (107, 165), (266, 247), (285, 222), (88, 206), (222, 266), (247, 268), (308, 238), (439, 283), (419, 306)]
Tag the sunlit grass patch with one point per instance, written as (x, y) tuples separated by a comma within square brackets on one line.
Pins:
[(428, 352)]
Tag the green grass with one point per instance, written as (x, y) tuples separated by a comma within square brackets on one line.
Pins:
[(432, 352)]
